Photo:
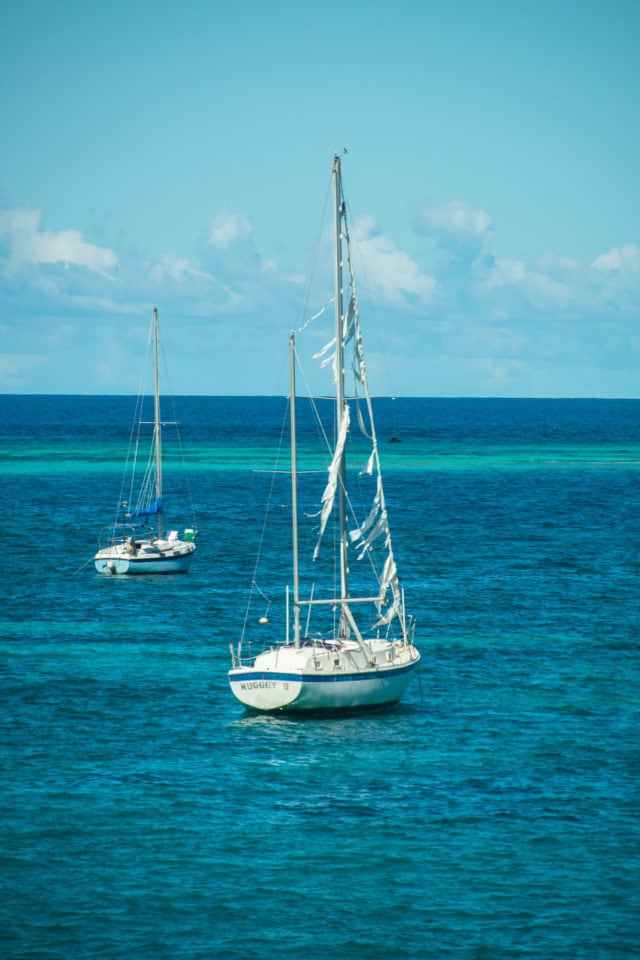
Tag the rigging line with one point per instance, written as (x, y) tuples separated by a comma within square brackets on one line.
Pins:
[(85, 564), (262, 593), (357, 335), (265, 521), (362, 273), (134, 437), (284, 366), (264, 597), (312, 400), (128, 474), (183, 460), (312, 262)]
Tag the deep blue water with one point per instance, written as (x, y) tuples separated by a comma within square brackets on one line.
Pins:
[(494, 814)]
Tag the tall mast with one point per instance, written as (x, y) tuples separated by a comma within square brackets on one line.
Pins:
[(157, 430), (340, 397), (294, 491)]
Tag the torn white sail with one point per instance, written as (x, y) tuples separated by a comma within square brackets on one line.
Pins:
[(365, 432), (375, 524), (322, 354), (368, 523), (388, 580), (329, 495)]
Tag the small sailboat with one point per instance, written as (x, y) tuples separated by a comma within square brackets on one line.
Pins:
[(363, 654), (137, 542)]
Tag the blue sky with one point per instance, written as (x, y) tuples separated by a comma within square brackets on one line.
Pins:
[(179, 156)]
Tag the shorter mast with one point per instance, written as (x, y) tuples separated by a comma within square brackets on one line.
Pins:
[(294, 491), (157, 428)]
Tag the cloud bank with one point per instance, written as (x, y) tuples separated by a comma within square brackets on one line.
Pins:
[(456, 319), (30, 245)]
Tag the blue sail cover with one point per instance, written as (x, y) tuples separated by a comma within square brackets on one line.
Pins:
[(151, 511)]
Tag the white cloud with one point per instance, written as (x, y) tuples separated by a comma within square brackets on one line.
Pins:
[(454, 219), (619, 258), (29, 244), (564, 286), (229, 228), (389, 270), (177, 268), (536, 287), (504, 272), (460, 240)]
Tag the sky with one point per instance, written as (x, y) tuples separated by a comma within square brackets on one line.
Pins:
[(178, 156)]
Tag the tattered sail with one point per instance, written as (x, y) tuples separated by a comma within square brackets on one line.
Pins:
[(342, 648), (329, 495), (376, 524)]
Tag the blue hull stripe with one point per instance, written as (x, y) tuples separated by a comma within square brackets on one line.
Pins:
[(138, 561), (315, 678)]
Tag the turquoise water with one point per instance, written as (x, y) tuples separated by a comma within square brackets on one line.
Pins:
[(495, 813)]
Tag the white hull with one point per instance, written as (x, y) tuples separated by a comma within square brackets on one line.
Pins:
[(339, 676), (150, 556)]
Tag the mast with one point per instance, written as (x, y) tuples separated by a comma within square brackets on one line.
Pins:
[(294, 491), (340, 397), (157, 430)]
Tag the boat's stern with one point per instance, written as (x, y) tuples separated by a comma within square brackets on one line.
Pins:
[(264, 689), (111, 561)]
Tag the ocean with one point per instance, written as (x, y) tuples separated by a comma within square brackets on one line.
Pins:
[(493, 814)]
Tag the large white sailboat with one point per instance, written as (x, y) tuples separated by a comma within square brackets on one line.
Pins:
[(363, 654), (137, 542)]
